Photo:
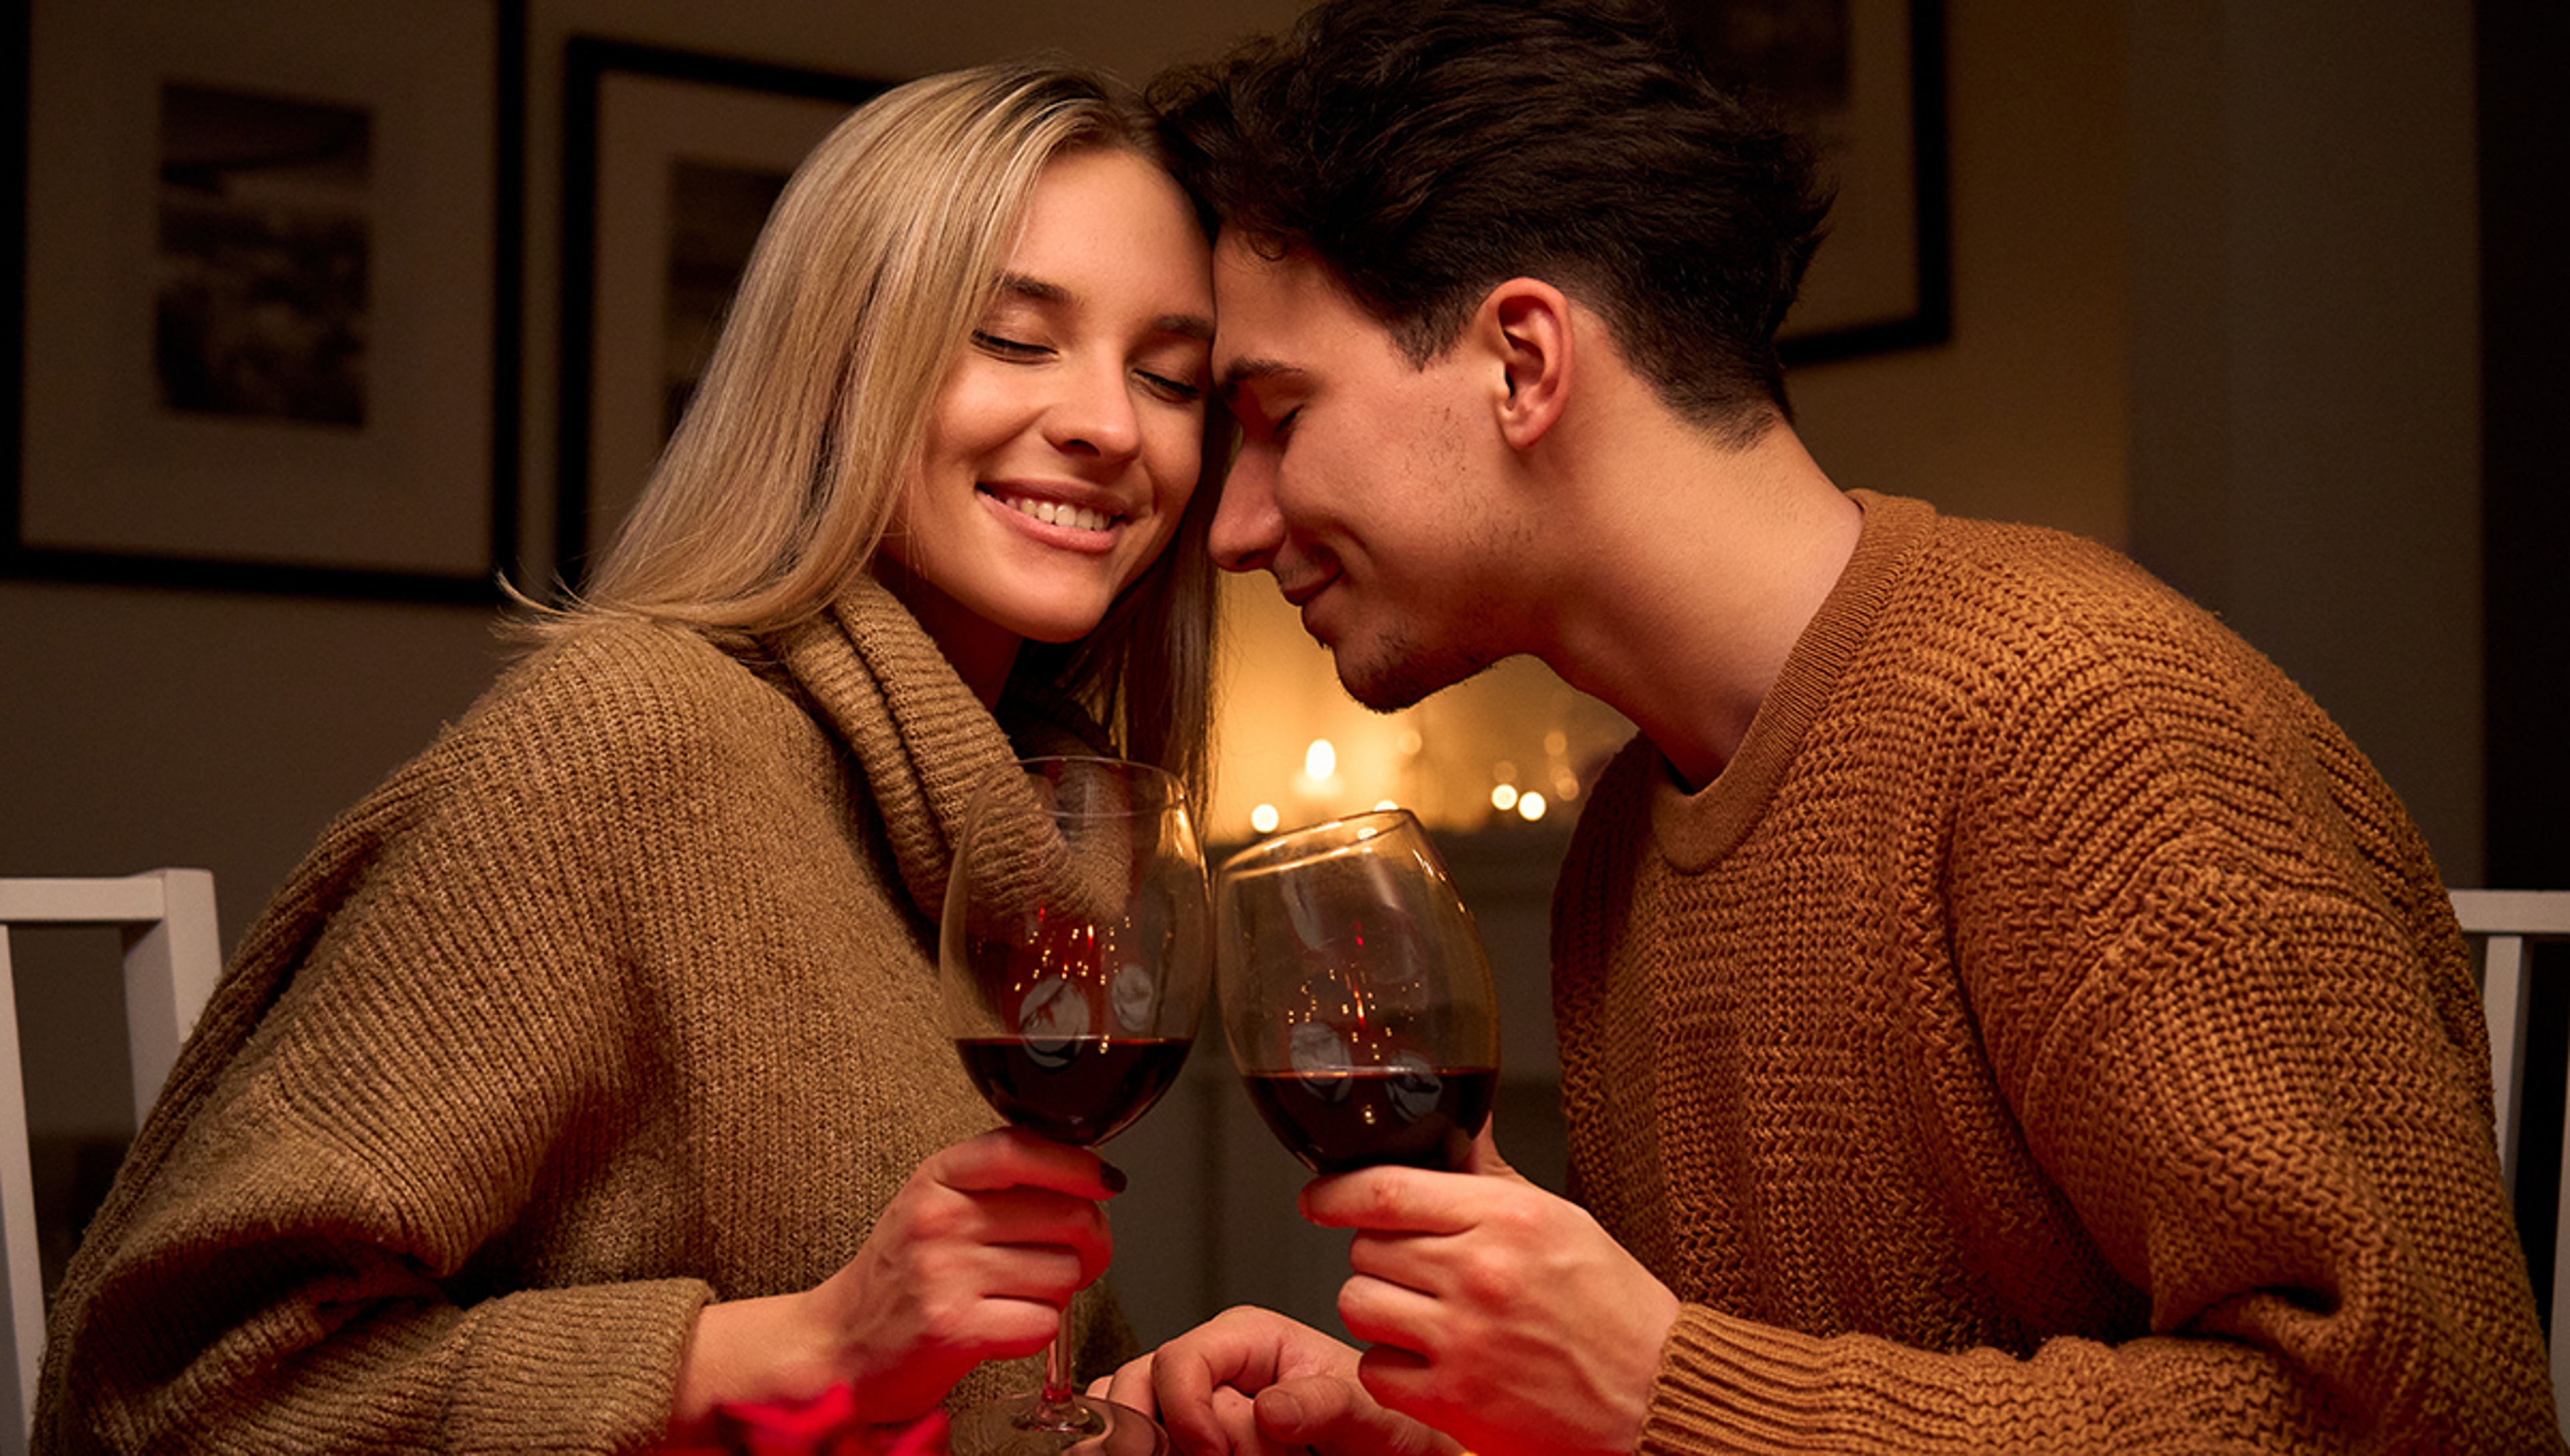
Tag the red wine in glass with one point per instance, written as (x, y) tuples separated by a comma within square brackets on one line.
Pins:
[(1073, 965), (1080, 1091), (1356, 994), (1422, 1117)]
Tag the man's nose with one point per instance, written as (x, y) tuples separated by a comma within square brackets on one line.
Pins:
[(1247, 528)]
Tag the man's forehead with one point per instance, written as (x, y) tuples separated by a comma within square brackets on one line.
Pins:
[(1272, 309), (1255, 275)]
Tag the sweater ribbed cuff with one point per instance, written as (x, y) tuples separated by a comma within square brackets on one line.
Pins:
[(578, 1369), (1726, 1384)]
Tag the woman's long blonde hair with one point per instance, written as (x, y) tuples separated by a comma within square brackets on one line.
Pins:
[(877, 263)]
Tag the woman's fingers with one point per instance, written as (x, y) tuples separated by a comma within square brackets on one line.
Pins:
[(974, 1259), (1012, 1157)]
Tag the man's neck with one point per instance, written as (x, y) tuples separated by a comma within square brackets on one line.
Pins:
[(1701, 565)]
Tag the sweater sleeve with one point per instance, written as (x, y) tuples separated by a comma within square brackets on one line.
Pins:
[(422, 1034)]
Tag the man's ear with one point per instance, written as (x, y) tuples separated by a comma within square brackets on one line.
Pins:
[(1527, 323)]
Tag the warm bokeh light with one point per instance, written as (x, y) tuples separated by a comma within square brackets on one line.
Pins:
[(1321, 760), (1504, 798), (1531, 807), (1264, 818), (1281, 698)]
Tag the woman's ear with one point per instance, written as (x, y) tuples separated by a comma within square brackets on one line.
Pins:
[(1527, 323)]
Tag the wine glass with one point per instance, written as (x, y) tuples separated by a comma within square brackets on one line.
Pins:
[(1074, 964), (1356, 994)]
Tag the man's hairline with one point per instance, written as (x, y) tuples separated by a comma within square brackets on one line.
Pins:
[(1749, 422), (1278, 250)]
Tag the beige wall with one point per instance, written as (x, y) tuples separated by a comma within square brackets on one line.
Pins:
[(2024, 416)]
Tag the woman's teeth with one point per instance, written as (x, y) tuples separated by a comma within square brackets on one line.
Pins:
[(1059, 512)]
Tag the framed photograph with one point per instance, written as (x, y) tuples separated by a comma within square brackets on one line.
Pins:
[(670, 163), (1868, 79), (270, 260)]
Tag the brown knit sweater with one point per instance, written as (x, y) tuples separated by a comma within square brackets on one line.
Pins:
[(616, 999), (2047, 1034)]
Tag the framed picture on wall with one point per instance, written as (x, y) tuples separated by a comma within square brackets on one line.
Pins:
[(265, 248), (670, 162), (1866, 79)]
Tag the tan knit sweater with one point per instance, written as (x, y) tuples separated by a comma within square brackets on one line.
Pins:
[(2047, 1034), (618, 998)]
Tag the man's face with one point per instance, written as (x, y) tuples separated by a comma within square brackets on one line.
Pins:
[(1362, 482)]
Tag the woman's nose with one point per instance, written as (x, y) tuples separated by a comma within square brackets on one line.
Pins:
[(1095, 414)]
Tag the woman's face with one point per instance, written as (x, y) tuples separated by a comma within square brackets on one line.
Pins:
[(1066, 443)]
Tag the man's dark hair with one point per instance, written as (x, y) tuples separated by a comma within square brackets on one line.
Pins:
[(1425, 151)]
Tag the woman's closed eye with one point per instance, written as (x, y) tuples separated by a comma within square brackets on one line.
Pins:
[(1006, 348), (1175, 391)]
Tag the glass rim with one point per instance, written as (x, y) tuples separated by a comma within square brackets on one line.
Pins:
[(1170, 791), (1284, 846)]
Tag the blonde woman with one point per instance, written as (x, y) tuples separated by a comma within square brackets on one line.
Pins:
[(587, 1074)]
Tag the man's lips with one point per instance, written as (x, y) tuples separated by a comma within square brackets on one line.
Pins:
[(1305, 585), (1308, 598)]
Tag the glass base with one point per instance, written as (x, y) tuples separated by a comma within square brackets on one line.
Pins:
[(1019, 1428)]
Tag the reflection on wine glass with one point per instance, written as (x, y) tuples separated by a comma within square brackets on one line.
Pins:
[(1356, 994), (1073, 966)]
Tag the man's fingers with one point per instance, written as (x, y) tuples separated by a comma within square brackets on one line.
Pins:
[(1336, 1417), (1130, 1385), (1388, 1314), (1395, 1199), (1395, 1376), (1186, 1388)]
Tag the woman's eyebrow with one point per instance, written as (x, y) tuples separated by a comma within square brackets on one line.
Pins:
[(1042, 290), (1033, 289)]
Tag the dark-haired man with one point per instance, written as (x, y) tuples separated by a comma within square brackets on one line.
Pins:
[(1999, 1011)]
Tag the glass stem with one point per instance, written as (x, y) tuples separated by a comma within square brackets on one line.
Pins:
[(1054, 1409)]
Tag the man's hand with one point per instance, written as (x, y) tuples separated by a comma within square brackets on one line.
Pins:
[(1499, 1312), (1251, 1382)]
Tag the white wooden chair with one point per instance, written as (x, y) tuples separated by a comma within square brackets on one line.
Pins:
[(173, 953), (2503, 922)]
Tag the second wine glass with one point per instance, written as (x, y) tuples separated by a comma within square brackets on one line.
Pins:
[(1074, 962), (1356, 994)]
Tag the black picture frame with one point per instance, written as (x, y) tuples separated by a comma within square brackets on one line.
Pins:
[(600, 424), (470, 493), (1869, 82)]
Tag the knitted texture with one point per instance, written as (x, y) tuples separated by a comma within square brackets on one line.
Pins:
[(618, 998), (2047, 1034)]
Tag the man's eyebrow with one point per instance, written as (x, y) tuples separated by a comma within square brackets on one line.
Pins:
[(1249, 371)]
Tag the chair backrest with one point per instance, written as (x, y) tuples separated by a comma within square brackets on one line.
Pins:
[(2504, 923), (172, 954)]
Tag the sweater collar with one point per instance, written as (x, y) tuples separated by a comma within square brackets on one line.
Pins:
[(1695, 829), (916, 735)]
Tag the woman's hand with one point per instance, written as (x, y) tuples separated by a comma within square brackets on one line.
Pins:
[(974, 1259)]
